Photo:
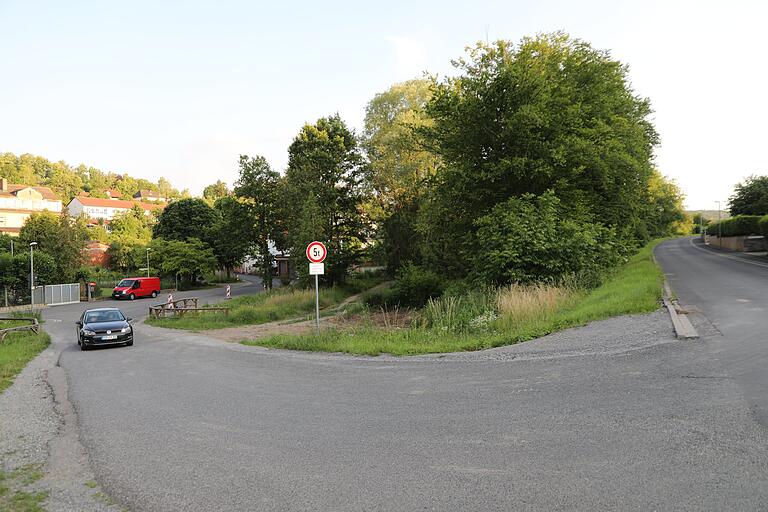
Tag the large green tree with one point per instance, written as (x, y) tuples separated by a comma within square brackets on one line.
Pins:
[(186, 219), (750, 197), (60, 236), (232, 233), (549, 113), (324, 195), (399, 166), (258, 190), (215, 191)]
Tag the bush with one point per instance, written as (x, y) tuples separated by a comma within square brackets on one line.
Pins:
[(740, 225), (532, 238), (415, 286), (762, 225)]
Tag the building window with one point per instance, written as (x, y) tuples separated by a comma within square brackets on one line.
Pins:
[(2, 220)]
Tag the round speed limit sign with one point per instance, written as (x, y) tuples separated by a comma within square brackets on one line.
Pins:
[(316, 252)]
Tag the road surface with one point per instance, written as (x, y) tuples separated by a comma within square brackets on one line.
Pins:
[(614, 416)]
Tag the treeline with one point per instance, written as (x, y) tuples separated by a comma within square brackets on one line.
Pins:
[(534, 162), (749, 207), (68, 181)]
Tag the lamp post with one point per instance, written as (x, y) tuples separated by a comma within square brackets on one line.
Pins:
[(32, 273), (719, 228), (148, 249)]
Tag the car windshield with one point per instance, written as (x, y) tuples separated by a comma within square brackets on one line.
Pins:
[(94, 317), (125, 283)]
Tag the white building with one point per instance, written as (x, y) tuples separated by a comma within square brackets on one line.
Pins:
[(18, 202), (105, 209)]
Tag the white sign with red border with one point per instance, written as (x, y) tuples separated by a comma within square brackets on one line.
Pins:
[(316, 269), (316, 252)]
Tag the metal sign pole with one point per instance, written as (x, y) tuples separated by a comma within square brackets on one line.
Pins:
[(317, 304)]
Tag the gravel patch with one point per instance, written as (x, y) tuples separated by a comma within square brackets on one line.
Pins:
[(38, 430)]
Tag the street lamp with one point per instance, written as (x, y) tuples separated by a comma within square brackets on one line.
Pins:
[(719, 228), (32, 273), (148, 249)]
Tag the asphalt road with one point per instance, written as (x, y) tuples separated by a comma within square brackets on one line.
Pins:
[(615, 416), (729, 290)]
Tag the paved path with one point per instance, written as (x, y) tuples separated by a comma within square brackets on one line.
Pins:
[(614, 416)]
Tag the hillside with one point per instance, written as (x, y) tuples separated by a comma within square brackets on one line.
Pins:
[(68, 181)]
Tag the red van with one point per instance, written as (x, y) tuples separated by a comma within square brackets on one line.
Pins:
[(134, 287)]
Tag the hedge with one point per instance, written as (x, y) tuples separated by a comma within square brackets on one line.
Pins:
[(740, 225)]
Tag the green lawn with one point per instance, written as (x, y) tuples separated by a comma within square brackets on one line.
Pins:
[(261, 308), (17, 350), (636, 287)]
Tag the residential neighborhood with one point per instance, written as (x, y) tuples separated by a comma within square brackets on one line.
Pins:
[(416, 256)]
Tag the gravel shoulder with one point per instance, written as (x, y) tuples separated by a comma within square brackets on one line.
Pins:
[(38, 432)]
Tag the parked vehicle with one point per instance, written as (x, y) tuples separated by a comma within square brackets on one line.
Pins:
[(136, 287), (103, 326)]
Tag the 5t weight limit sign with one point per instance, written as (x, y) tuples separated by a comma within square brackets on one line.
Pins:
[(316, 252)]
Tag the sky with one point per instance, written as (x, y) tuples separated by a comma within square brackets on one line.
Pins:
[(181, 89)]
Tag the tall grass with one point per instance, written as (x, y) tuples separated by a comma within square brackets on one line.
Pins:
[(17, 350), (519, 304)]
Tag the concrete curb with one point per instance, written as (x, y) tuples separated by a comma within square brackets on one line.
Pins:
[(684, 330)]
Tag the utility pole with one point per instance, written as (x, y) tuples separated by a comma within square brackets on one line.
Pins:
[(719, 228), (147, 261), (32, 273)]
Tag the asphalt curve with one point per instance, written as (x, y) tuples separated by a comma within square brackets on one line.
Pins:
[(182, 422)]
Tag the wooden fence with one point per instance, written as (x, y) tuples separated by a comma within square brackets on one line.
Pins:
[(31, 326), (180, 307)]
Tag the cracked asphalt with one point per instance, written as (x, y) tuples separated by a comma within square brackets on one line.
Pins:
[(617, 415)]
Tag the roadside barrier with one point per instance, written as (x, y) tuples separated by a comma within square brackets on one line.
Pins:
[(32, 326), (180, 307), (229, 292)]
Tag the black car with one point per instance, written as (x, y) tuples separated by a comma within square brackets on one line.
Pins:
[(103, 326)]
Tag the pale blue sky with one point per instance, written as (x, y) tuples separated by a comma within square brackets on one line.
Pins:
[(180, 89)]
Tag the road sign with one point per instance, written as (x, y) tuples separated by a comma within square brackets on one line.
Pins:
[(316, 252), (316, 269)]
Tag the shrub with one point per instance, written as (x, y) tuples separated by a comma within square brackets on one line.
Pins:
[(740, 225), (414, 286), (762, 225), (532, 238)]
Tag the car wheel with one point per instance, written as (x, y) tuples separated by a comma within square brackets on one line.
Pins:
[(132, 296), (154, 294), (129, 344), (83, 346)]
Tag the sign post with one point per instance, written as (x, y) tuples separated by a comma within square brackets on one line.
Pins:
[(316, 253)]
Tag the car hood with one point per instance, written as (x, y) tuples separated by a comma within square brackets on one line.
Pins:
[(106, 326), (121, 288)]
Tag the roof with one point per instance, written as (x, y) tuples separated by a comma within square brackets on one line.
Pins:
[(46, 192), (116, 203), (146, 193), (114, 193)]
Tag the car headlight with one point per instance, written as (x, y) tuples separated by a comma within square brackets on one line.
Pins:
[(124, 292), (125, 329), (88, 333)]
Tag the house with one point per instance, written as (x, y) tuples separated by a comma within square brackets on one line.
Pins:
[(96, 254), (114, 194), (149, 196), (105, 209), (18, 202)]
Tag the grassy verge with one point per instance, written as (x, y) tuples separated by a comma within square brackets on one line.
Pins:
[(276, 305), (509, 316), (17, 350)]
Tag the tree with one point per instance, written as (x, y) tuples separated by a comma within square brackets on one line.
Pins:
[(665, 213), (551, 113), (186, 219), (185, 258), (232, 233), (399, 166), (215, 191), (324, 195), (60, 236), (750, 197), (258, 190)]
